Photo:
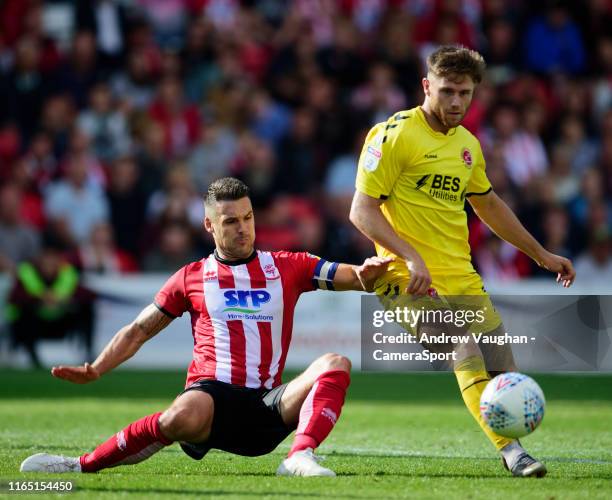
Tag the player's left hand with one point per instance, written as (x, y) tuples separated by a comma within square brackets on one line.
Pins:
[(372, 269), (560, 265)]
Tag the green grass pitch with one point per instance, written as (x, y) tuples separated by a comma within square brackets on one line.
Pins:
[(400, 436)]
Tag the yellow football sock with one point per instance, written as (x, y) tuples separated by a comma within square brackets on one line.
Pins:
[(473, 378)]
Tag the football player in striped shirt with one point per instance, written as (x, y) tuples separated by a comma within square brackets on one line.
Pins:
[(241, 302)]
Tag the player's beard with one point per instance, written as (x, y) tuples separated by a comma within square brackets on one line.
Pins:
[(451, 120), (244, 245)]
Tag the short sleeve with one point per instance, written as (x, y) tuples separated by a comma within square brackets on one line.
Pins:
[(309, 271), (478, 184), (171, 299), (378, 169)]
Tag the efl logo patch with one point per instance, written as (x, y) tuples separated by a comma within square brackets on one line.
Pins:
[(466, 155), (374, 152)]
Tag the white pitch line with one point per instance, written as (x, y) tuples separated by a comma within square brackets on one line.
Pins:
[(417, 454)]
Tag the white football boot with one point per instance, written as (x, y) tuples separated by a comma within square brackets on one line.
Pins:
[(303, 463), (43, 462)]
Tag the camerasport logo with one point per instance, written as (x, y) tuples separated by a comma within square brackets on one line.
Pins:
[(466, 155)]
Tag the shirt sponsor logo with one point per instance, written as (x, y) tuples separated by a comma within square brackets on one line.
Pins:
[(245, 301), (466, 154), (441, 187)]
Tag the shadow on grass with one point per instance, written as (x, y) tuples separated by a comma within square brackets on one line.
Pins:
[(415, 388), (205, 493)]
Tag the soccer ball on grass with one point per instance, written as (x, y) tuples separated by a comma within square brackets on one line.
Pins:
[(512, 405)]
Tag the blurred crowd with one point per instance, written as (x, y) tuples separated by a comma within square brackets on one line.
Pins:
[(116, 115)]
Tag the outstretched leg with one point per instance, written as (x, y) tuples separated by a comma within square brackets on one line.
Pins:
[(472, 377), (189, 418)]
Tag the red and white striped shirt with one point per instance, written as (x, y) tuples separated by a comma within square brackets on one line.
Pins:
[(242, 312)]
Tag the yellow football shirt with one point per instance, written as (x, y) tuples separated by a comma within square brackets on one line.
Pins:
[(424, 176)]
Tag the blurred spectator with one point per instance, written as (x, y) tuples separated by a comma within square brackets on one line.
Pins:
[(179, 121), (256, 165), (178, 198), (445, 15), (341, 60), (10, 144), (74, 205), (501, 53), (342, 239), (594, 267), (222, 13), (78, 75), (318, 16), (592, 191), (127, 204), (106, 127), (213, 156), (151, 159), (602, 92), (167, 18), (134, 87), (175, 249), (553, 42), (581, 150), (99, 255), (564, 182), (290, 222), (47, 301), (379, 97), (201, 69), (107, 20), (18, 241), (524, 153), (24, 90), (41, 164), (476, 118), (298, 153), (57, 121), (335, 123), (32, 210), (556, 231), (270, 120), (397, 50), (79, 149), (497, 260)]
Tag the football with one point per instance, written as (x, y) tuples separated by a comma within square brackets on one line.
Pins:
[(512, 405)]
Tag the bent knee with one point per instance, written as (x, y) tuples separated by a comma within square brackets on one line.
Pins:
[(332, 361), (183, 422)]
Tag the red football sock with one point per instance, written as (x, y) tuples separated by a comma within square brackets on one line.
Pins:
[(321, 409), (137, 442)]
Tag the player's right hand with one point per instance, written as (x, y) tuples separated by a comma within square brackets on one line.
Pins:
[(420, 279), (76, 374)]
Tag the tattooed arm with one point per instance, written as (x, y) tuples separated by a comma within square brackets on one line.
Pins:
[(122, 347)]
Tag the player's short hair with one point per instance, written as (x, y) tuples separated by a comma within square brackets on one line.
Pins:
[(450, 61), (225, 189)]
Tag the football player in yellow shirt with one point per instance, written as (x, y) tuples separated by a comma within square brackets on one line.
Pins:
[(415, 172)]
